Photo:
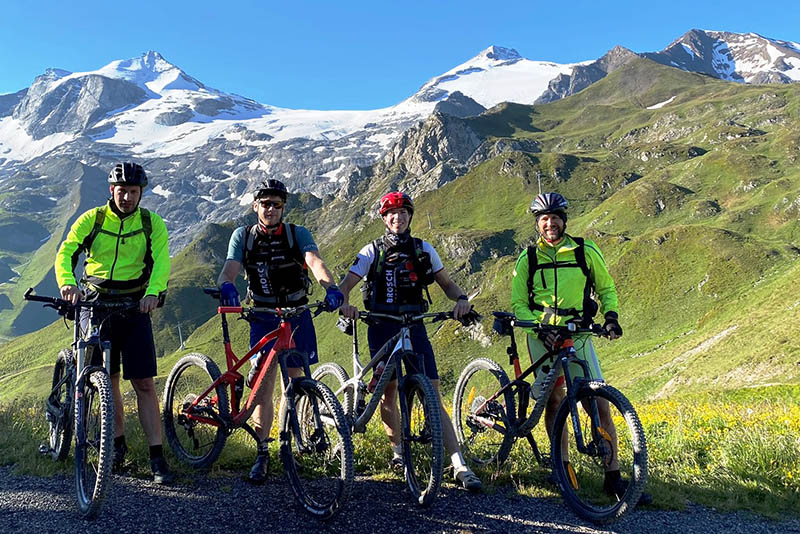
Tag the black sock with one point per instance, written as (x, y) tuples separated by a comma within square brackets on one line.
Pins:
[(119, 442), (612, 476), (156, 451)]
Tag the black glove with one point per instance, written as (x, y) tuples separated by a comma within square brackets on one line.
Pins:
[(612, 324), (470, 318), (551, 339), (345, 325)]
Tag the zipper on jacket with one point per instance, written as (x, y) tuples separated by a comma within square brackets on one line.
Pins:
[(116, 251)]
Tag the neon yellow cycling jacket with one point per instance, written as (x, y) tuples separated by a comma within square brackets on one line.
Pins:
[(559, 282), (116, 262)]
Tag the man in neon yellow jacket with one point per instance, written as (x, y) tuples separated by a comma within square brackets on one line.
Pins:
[(127, 256), (552, 284)]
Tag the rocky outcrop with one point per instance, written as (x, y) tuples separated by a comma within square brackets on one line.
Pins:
[(72, 105), (583, 76), (459, 105)]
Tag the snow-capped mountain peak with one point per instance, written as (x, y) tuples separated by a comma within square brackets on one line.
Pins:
[(495, 75), (499, 53), (737, 57)]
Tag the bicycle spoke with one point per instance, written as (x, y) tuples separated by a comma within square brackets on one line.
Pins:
[(608, 447), (187, 425), (319, 459), (480, 423)]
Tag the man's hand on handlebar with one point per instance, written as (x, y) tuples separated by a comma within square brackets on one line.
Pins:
[(148, 303), (71, 293), (461, 308), (349, 311)]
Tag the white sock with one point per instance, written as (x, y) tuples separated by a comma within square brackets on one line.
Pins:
[(458, 461), (397, 451)]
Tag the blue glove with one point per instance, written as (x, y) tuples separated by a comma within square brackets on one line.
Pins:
[(333, 298), (228, 296)]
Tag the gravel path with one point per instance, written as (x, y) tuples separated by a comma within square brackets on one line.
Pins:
[(203, 504)]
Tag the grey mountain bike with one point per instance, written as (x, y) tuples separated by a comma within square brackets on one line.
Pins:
[(490, 413), (80, 401), (420, 412)]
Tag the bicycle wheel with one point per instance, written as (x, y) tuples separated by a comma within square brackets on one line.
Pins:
[(482, 426), (94, 443), (582, 480), (195, 442), (316, 451), (59, 409), (423, 448), (334, 376)]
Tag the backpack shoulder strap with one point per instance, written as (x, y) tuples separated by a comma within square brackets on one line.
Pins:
[(580, 257), (533, 264), (249, 242), (147, 228), (377, 260), (291, 236), (99, 219)]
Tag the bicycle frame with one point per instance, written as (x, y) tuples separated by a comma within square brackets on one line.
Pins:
[(284, 340), (521, 425)]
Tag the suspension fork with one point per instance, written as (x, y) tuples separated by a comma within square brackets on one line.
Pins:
[(572, 393)]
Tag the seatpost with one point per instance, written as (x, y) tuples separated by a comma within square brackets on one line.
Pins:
[(513, 355), (226, 338)]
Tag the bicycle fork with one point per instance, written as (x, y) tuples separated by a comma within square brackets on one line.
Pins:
[(596, 448)]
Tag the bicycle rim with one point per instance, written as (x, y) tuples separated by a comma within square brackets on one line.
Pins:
[(582, 480), (481, 425), (194, 442), (319, 458), (334, 376), (60, 407), (94, 442), (423, 451)]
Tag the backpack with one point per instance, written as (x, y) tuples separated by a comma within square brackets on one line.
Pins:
[(421, 265), (590, 307)]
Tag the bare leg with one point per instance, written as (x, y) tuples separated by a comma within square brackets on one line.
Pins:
[(149, 416), (119, 409), (390, 413)]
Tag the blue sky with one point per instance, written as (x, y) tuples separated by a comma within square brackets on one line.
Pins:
[(348, 55)]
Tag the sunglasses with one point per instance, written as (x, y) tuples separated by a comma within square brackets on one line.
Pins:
[(277, 204)]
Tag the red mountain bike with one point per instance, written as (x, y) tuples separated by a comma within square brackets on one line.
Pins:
[(316, 446)]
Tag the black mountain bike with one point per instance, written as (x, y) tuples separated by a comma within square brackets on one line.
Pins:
[(420, 412), (490, 413), (81, 400)]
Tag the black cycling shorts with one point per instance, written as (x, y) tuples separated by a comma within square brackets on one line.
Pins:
[(380, 333), (131, 336)]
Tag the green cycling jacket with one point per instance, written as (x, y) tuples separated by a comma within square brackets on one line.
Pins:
[(115, 262), (561, 285)]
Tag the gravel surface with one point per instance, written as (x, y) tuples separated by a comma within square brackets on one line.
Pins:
[(201, 504)]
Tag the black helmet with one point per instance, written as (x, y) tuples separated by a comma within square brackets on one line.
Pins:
[(127, 173), (272, 187), (550, 203)]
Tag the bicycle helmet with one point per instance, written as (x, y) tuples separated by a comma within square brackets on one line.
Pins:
[(550, 203), (272, 187), (394, 200), (127, 173)]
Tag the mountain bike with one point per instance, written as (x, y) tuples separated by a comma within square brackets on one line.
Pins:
[(81, 401), (490, 413), (199, 414), (420, 415)]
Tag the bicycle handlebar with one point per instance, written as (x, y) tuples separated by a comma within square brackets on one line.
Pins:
[(570, 328), (286, 313), (64, 306)]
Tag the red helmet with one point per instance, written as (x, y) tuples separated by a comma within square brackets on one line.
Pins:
[(394, 200)]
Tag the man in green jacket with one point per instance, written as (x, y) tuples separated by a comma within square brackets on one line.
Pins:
[(558, 291), (127, 256)]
